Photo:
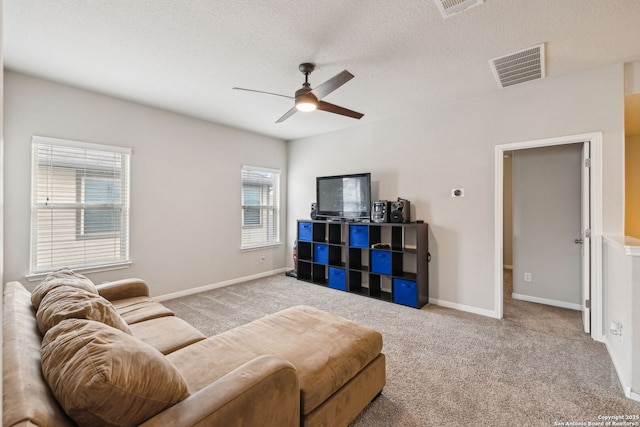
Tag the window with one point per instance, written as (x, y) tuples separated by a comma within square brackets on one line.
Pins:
[(260, 207), (101, 196), (80, 205)]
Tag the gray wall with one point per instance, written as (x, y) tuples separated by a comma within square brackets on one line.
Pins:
[(546, 220), (185, 183), (422, 156)]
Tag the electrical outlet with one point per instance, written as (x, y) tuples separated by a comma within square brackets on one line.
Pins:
[(527, 277), (616, 329)]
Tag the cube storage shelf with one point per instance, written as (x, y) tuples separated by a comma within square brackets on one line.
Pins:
[(346, 256)]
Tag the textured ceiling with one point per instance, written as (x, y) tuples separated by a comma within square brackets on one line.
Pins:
[(186, 55)]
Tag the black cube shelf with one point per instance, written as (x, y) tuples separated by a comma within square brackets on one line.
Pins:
[(348, 256)]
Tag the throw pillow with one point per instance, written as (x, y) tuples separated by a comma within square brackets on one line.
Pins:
[(104, 377), (67, 302), (62, 277)]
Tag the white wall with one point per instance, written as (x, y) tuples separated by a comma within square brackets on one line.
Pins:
[(185, 183), (621, 269), (632, 77), (422, 156), (546, 220)]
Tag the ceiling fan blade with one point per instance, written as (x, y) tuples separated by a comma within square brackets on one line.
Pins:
[(332, 84), (331, 108), (287, 115), (266, 93)]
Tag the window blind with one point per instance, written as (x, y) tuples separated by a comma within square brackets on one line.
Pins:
[(80, 204), (260, 207)]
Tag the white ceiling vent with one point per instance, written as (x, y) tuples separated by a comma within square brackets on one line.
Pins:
[(453, 7), (519, 67)]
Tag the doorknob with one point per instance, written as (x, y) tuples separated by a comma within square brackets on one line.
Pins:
[(578, 241)]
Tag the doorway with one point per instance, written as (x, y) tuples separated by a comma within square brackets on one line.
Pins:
[(590, 300)]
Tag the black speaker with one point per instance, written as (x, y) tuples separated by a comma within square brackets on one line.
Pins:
[(314, 211), (380, 211), (401, 211)]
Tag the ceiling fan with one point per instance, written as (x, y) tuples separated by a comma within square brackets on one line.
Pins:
[(307, 99)]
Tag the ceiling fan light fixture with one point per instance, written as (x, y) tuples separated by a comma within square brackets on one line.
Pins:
[(306, 103)]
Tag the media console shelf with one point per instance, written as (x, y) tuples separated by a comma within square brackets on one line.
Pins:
[(388, 261)]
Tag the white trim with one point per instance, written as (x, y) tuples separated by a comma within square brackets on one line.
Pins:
[(547, 301), (462, 307), (595, 140), (84, 270), (36, 139), (223, 284), (630, 245), (499, 231), (261, 169), (628, 391), (259, 247)]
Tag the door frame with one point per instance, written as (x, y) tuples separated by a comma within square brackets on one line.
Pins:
[(595, 142)]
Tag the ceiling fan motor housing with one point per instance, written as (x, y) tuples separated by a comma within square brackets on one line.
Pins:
[(306, 68)]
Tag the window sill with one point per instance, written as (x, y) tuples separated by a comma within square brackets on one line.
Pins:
[(261, 247), (34, 277)]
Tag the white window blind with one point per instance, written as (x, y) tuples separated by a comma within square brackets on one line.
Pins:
[(79, 205), (260, 207)]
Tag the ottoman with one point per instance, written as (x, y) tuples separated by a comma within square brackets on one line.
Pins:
[(340, 363)]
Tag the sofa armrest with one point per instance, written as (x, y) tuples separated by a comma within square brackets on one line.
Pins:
[(263, 392), (125, 288)]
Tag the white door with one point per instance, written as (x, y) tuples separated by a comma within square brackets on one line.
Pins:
[(586, 238)]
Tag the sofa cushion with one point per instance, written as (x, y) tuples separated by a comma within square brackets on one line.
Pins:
[(67, 302), (63, 277), (166, 334), (139, 309), (102, 376), (26, 398)]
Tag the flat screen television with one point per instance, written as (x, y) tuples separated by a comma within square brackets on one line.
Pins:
[(345, 197)]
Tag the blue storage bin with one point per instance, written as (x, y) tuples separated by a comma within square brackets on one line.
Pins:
[(337, 278), (321, 253), (404, 292), (305, 231), (359, 236), (380, 262)]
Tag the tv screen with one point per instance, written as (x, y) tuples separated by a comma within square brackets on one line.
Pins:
[(344, 196)]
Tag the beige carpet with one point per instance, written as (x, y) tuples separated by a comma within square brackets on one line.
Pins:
[(445, 367)]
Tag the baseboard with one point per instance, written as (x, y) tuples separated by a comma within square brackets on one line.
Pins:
[(462, 307), (628, 391), (547, 301), (223, 284)]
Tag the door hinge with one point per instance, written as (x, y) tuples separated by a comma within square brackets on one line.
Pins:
[(587, 163), (587, 303), (587, 233)]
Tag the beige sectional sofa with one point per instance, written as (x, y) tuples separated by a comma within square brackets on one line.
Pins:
[(79, 354)]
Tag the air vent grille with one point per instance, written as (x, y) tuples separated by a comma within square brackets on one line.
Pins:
[(519, 67), (449, 8)]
